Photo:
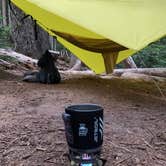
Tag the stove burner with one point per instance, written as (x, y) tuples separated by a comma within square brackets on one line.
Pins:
[(85, 159)]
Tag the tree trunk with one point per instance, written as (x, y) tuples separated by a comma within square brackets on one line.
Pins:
[(4, 13), (129, 63), (28, 38)]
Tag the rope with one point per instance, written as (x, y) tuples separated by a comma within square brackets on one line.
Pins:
[(21, 21)]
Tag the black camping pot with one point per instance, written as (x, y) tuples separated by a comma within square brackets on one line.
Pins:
[(84, 127)]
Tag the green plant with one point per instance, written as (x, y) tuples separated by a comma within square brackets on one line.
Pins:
[(8, 59), (4, 35), (4, 32), (153, 55)]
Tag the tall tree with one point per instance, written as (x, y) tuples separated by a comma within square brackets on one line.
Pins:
[(4, 12), (28, 38)]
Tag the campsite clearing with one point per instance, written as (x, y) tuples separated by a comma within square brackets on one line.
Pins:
[(32, 130)]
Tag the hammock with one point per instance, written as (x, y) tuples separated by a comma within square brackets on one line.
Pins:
[(100, 32)]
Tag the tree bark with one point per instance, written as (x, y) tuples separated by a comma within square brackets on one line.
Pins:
[(24, 60), (4, 13), (28, 38), (161, 72), (129, 63), (6, 64)]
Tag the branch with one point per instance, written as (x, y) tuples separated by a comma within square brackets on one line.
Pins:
[(6, 64), (25, 60)]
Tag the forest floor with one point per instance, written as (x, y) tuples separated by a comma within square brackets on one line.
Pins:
[(32, 130)]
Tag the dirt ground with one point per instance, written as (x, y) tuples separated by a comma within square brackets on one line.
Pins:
[(32, 130)]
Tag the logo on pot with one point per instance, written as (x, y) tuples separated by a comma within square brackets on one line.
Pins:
[(83, 130), (98, 129), (101, 127)]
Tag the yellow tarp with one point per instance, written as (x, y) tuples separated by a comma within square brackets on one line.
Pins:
[(129, 24)]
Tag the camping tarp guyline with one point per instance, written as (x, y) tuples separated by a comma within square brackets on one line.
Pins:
[(100, 32)]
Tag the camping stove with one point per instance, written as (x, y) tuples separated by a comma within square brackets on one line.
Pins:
[(84, 134), (86, 159)]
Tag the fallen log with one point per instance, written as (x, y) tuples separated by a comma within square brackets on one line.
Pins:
[(6, 64), (152, 72), (125, 75), (160, 72), (32, 64), (25, 60)]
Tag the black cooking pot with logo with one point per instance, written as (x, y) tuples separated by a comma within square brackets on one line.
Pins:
[(84, 127)]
